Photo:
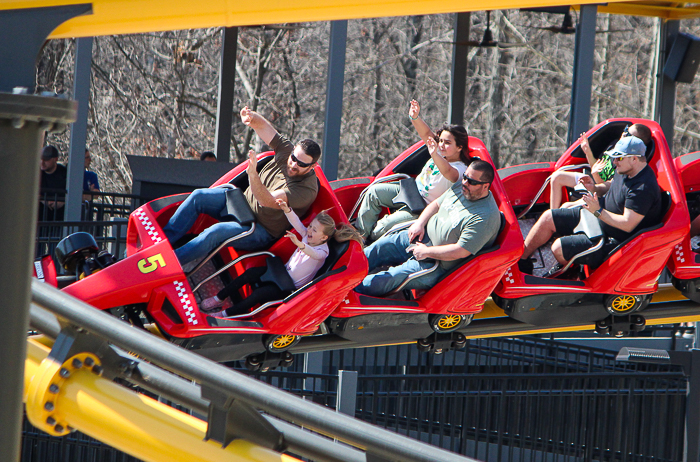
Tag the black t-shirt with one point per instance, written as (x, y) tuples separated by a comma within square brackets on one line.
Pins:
[(56, 180), (641, 194)]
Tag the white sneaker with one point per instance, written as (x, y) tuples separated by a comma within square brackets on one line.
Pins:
[(210, 304)]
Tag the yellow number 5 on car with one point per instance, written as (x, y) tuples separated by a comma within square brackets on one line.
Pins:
[(150, 264)]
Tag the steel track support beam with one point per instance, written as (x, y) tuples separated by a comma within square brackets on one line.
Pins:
[(78, 131), (665, 97), (224, 105), (579, 118), (334, 99), (458, 80)]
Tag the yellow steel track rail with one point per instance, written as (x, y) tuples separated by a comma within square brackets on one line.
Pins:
[(112, 17), (81, 399)]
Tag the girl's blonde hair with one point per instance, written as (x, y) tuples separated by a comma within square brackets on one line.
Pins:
[(342, 233)]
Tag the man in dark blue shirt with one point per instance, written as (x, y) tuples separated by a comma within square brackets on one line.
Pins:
[(90, 182), (632, 203)]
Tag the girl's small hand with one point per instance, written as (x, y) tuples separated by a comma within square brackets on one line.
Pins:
[(414, 110), (293, 237), (283, 205), (599, 166)]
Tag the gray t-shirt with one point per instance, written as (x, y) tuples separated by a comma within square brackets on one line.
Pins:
[(472, 225)]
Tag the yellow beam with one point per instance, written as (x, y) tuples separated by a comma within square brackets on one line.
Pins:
[(128, 421), (660, 10), (111, 17)]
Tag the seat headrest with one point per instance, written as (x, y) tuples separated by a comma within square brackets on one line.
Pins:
[(649, 154), (335, 251)]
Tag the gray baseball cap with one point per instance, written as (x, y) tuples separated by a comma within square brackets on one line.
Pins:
[(628, 146)]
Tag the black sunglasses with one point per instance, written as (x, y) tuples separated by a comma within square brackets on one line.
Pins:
[(472, 181), (626, 132), (300, 163)]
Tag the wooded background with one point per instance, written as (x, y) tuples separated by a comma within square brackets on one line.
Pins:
[(155, 94)]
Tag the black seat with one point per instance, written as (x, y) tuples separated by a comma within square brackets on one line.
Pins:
[(277, 274), (335, 251), (237, 208), (408, 195), (665, 206), (651, 149)]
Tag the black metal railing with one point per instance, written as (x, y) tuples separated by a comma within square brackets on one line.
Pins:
[(106, 206), (608, 416), (510, 399), (109, 235), (513, 355), (104, 215), (96, 206)]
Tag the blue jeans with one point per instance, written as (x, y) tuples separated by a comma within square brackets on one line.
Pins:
[(391, 250), (210, 202)]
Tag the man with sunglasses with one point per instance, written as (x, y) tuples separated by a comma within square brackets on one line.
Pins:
[(456, 225), (631, 202), (290, 177), (602, 169)]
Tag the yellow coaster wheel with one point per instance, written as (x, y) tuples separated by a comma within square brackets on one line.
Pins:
[(281, 343), (446, 323), (618, 305)]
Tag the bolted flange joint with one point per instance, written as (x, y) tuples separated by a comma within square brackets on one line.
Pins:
[(44, 391)]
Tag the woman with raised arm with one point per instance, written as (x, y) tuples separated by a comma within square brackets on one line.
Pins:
[(448, 161)]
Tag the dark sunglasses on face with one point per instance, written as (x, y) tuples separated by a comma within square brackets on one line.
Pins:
[(626, 132), (471, 181), (300, 163)]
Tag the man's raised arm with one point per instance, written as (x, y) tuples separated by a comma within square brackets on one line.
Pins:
[(260, 124)]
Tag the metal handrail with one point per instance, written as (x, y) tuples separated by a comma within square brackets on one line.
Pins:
[(221, 246), (415, 275), (384, 179), (598, 246), (230, 264), (400, 226), (255, 311), (544, 186), (376, 441)]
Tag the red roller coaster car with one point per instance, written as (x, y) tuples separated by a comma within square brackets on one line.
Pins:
[(624, 283), (684, 263), (453, 301), (149, 285)]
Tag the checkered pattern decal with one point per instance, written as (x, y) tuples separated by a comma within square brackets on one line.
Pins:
[(148, 226), (39, 271), (185, 301), (508, 276), (680, 255)]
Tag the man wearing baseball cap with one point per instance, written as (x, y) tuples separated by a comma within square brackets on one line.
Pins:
[(632, 202), (53, 185)]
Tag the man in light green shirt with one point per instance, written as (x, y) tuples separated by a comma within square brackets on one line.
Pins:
[(458, 224)]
